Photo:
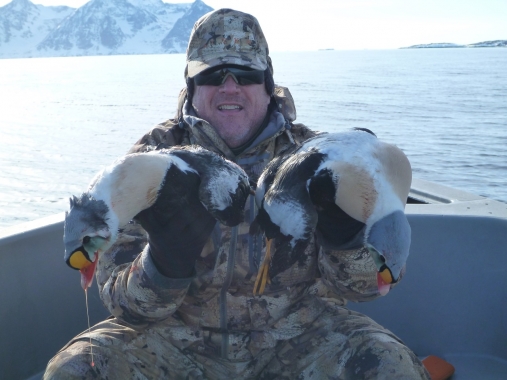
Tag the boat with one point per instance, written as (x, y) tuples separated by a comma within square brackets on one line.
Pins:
[(452, 302)]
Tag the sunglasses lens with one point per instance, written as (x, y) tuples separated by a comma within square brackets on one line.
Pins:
[(211, 79), (242, 77), (250, 77)]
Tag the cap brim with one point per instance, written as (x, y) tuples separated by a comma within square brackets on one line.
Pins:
[(196, 67)]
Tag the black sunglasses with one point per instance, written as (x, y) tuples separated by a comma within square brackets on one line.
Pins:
[(241, 76)]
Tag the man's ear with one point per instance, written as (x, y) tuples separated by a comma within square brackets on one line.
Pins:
[(269, 82), (181, 100), (190, 89)]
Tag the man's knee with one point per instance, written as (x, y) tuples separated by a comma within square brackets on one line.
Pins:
[(73, 362), (80, 360), (385, 358)]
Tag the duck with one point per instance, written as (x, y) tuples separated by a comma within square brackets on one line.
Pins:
[(132, 183), (349, 189)]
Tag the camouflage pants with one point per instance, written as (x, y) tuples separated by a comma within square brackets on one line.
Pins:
[(339, 344)]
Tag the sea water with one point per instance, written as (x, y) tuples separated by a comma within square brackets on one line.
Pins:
[(63, 119)]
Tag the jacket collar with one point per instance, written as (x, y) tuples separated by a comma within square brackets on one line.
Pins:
[(203, 133)]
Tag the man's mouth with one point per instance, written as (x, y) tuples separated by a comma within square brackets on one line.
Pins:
[(225, 107)]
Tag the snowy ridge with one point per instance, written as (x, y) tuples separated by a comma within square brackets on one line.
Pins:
[(22, 24), (495, 43), (177, 39), (100, 27)]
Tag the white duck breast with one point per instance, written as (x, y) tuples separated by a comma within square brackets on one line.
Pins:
[(287, 201), (133, 183), (352, 177)]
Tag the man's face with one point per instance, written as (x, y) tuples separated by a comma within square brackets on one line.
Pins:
[(235, 111)]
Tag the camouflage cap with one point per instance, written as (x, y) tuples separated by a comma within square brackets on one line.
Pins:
[(226, 36)]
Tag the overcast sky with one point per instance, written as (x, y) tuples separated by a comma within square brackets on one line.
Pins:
[(364, 24)]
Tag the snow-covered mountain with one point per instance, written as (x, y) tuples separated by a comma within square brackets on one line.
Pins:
[(435, 45), (495, 43), (23, 25), (177, 39), (100, 27)]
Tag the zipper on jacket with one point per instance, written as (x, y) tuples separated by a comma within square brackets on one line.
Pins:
[(254, 242), (223, 292)]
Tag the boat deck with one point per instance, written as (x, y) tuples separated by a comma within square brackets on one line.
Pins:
[(452, 302)]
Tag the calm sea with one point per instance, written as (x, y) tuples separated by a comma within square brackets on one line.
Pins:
[(62, 119)]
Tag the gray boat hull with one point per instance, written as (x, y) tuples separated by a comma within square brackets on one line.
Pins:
[(452, 302)]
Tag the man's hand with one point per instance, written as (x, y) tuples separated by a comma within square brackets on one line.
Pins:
[(197, 191), (178, 225)]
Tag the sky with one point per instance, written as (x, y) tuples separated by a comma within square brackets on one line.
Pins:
[(291, 25)]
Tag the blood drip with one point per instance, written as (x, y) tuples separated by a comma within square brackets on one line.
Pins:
[(88, 317), (383, 287)]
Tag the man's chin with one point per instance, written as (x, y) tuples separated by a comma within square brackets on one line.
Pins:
[(234, 139)]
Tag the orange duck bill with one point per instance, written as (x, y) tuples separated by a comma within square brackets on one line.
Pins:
[(384, 280), (80, 260)]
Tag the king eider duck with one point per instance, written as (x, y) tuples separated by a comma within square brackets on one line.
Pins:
[(132, 184), (351, 180)]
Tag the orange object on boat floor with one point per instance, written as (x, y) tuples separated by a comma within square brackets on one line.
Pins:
[(438, 368)]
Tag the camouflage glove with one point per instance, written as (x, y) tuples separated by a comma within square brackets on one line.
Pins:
[(178, 227)]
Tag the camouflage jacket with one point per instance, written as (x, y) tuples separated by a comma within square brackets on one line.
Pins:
[(218, 302)]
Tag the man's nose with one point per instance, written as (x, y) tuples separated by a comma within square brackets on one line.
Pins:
[(229, 85)]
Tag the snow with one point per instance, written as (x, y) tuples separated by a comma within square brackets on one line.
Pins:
[(496, 43), (436, 45), (23, 23), (100, 27)]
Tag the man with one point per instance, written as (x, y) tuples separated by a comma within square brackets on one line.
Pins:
[(184, 307)]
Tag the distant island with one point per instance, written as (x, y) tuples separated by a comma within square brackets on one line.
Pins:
[(495, 43)]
